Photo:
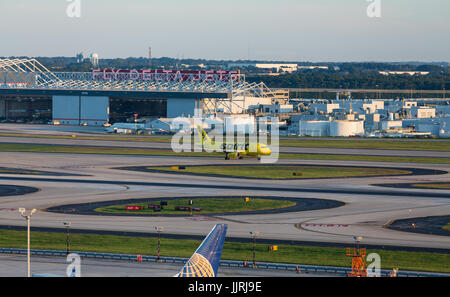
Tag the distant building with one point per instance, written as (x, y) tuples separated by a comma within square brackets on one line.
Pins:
[(326, 108), (373, 106), (385, 125), (313, 67), (372, 122), (80, 57), (445, 129), (443, 110), (240, 123), (404, 72), (150, 56), (275, 67), (361, 106), (409, 104), (434, 126), (276, 108), (171, 124), (423, 112), (94, 59)]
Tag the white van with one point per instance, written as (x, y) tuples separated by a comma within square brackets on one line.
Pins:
[(122, 127)]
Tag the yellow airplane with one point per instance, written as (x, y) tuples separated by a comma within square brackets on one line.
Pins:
[(236, 150)]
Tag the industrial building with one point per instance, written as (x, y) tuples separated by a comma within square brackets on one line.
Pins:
[(272, 67), (379, 118), (100, 96), (31, 93)]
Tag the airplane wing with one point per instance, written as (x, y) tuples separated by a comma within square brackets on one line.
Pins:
[(206, 259)]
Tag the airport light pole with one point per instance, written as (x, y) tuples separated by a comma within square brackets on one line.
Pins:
[(159, 229), (135, 123), (28, 218), (253, 235), (357, 241), (67, 225)]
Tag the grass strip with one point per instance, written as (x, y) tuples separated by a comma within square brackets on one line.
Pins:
[(366, 158), (222, 205), (110, 137), (71, 149), (397, 144), (293, 254), (368, 144), (433, 186), (286, 172), (19, 171)]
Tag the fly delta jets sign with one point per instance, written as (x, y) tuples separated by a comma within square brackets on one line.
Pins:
[(166, 75)]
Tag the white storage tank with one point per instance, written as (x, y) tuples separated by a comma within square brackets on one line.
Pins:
[(346, 128), (314, 128)]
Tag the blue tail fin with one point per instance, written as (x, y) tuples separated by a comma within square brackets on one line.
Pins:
[(206, 259)]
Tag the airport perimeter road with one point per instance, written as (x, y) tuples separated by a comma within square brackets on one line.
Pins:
[(367, 211), (41, 129), (16, 266)]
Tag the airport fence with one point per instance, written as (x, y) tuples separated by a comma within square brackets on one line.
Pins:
[(299, 269)]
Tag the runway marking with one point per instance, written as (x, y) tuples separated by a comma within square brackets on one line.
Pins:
[(325, 225), (124, 189), (409, 209), (300, 225), (201, 219), (8, 209)]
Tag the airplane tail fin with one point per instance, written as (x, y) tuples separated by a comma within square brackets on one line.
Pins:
[(206, 259), (203, 136)]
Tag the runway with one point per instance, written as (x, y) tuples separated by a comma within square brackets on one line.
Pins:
[(367, 210)]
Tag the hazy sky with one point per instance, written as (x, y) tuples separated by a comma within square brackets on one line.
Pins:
[(291, 30)]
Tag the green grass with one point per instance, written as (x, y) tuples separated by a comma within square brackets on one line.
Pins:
[(286, 172), (222, 205), (365, 158), (307, 255), (111, 137), (72, 149), (433, 186), (291, 141), (369, 144), (4, 170)]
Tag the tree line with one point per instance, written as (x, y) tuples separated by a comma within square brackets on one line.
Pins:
[(355, 81)]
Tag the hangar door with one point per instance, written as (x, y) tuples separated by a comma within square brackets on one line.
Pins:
[(79, 110)]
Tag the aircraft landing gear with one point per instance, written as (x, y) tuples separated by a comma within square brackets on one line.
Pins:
[(227, 157)]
